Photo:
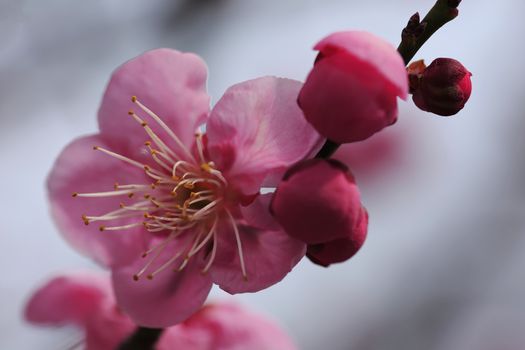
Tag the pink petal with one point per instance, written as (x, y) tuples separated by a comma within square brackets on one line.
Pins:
[(256, 130), (342, 249), (317, 201), (268, 257), (170, 83), (68, 299), (167, 299), (372, 49), (226, 326), (81, 169), (107, 329), (257, 214)]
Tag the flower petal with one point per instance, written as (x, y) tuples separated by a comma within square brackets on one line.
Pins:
[(81, 169), (68, 299), (169, 297), (256, 129), (369, 48), (268, 256), (226, 326), (258, 214), (170, 83)]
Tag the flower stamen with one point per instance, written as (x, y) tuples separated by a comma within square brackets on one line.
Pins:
[(239, 244), (184, 196), (163, 125)]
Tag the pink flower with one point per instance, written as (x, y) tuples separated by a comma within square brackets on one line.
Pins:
[(86, 300), (181, 208), (351, 92), (318, 203)]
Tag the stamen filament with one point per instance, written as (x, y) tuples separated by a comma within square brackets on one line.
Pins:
[(212, 255), (195, 250), (103, 194), (119, 156), (239, 244), (123, 227), (163, 126)]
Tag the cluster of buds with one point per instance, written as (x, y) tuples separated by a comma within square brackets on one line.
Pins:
[(351, 94)]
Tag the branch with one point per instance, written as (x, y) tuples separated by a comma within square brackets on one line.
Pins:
[(416, 33), (142, 339)]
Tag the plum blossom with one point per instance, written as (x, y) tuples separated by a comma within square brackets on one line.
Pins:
[(171, 210), (351, 92), (329, 216), (86, 300)]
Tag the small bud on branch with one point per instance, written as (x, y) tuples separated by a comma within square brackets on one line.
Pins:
[(415, 34)]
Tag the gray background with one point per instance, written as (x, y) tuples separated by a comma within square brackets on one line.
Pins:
[(443, 266)]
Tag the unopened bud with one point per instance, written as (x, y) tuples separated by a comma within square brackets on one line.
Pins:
[(442, 88)]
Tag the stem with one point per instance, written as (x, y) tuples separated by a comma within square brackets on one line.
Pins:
[(416, 34), (328, 149), (142, 339)]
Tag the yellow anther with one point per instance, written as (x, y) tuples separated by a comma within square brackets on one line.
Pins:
[(189, 185), (206, 167), (133, 99)]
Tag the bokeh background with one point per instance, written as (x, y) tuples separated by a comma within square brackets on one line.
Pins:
[(443, 265)]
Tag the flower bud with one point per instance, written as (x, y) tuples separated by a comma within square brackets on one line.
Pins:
[(342, 249), (319, 204), (351, 92), (442, 88)]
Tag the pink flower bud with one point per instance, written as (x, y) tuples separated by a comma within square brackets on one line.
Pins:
[(351, 92), (318, 203), (341, 249), (442, 88)]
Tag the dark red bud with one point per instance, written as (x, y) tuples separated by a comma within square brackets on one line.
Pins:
[(442, 88)]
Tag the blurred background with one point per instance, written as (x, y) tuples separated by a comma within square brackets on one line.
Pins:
[(443, 264)]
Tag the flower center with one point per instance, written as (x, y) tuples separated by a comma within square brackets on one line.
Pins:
[(184, 194)]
